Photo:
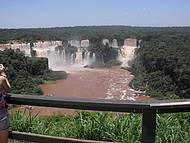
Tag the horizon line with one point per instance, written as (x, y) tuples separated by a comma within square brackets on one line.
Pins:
[(72, 26)]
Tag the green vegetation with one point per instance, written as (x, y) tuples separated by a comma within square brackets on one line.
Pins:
[(86, 32), (171, 128), (26, 73), (162, 65)]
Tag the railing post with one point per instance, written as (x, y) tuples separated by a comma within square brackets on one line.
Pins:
[(149, 126)]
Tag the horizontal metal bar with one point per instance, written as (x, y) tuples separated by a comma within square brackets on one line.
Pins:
[(160, 106), (84, 104), (31, 137), (174, 110)]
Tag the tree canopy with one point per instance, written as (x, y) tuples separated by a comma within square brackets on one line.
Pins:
[(26, 73), (162, 65)]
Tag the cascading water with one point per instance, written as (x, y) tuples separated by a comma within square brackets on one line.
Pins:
[(127, 52), (106, 41), (61, 58), (85, 43), (58, 56), (75, 43), (114, 43)]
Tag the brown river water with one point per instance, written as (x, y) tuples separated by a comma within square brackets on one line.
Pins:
[(103, 83)]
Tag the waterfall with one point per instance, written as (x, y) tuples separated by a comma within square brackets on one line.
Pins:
[(78, 59), (114, 43), (106, 41), (127, 52), (59, 56), (85, 43)]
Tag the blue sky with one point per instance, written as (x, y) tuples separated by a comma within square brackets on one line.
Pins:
[(59, 13)]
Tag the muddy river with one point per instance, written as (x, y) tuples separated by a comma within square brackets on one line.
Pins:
[(109, 84)]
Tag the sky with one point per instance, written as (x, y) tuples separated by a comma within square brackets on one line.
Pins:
[(64, 13)]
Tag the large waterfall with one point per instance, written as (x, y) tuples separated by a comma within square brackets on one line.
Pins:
[(61, 57), (77, 54)]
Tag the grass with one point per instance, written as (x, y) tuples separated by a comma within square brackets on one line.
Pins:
[(171, 128)]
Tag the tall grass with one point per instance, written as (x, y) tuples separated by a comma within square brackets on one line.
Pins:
[(171, 128)]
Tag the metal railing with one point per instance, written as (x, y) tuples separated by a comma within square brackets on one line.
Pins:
[(149, 109)]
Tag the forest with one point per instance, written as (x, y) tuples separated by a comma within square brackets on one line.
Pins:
[(86, 32), (26, 73), (162, 66)]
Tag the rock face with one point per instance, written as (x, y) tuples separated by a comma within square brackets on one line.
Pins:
[(25, 47), (130, 42), (77, 53)]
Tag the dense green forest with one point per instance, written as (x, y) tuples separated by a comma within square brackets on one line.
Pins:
[(86, 32), (162, 65), (26, 73)]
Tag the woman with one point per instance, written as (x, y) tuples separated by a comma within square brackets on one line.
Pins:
[(4, 121)]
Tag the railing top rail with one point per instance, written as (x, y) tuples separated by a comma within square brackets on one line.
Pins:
[(162, 106)]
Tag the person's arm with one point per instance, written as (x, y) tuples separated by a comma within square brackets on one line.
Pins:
[(6, 84)]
